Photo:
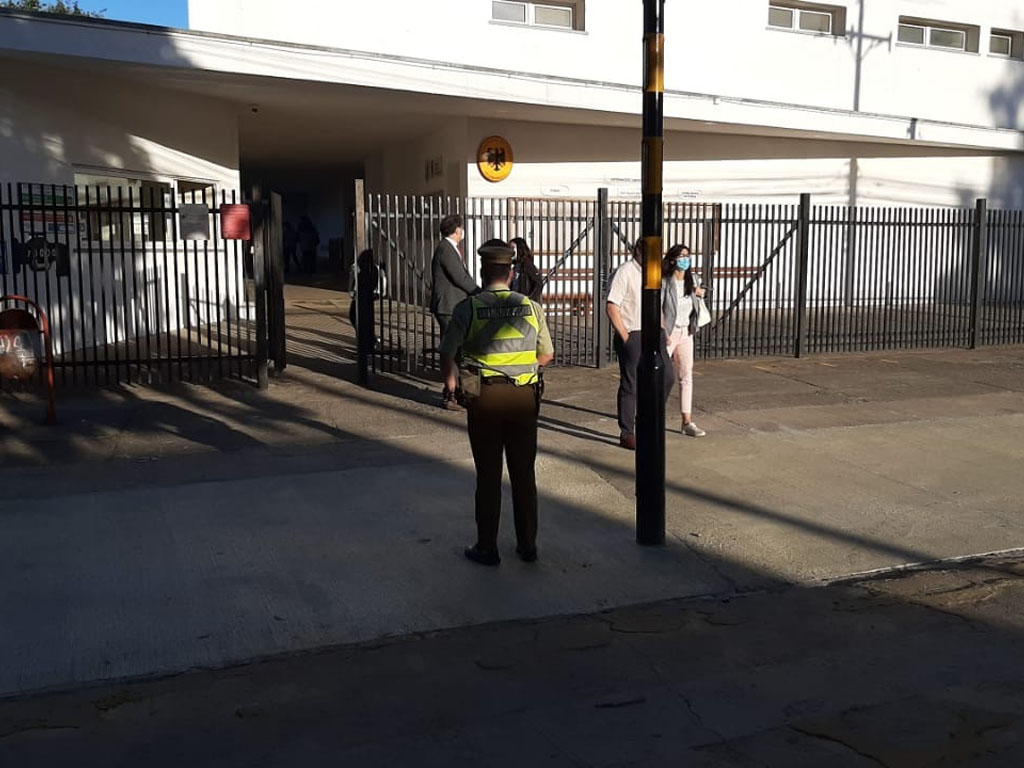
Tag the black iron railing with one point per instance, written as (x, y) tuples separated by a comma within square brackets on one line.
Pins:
[(131, 295), (785, 279)]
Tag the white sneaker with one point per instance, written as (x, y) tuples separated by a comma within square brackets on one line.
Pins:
[(693, 430)]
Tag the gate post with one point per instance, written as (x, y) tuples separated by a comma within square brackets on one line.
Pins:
[(364, 310), (979, 266), (259, 276), (803, 258), (275, 270), (602, 262)]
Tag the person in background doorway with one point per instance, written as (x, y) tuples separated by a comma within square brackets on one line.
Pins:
[(623, 310), (527, 280), (309, 241), (290, 244), (451, 284), (679, 290)]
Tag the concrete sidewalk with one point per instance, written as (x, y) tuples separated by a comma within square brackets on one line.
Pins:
[(159, 530)]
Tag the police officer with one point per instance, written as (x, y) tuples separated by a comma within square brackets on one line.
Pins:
[(495, 345)]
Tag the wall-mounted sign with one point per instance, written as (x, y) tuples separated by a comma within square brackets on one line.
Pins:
[(42, 254), (433, 168), (194, 221), (234, 222), (494, 158)]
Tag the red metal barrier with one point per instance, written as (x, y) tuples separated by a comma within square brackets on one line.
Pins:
[(19, 354)]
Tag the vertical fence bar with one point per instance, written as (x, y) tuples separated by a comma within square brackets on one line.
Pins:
[(259, 273), (1015, 259), (803, 258), (220, 246), (979, 246)]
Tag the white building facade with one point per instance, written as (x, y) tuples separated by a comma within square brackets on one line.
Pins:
[(866, 101), (888, 102)]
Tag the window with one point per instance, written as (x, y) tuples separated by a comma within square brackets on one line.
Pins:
[(1000, 45), (108, 206), (807, 17), (947, 38), (514, 12), (1006, 43), (938, 34), (781, 17), (550, 16), (912, 34), (554, 15)]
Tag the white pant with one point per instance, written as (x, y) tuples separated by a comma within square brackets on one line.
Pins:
[(680, 349)]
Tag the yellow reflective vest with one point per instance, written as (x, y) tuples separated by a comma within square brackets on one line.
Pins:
[(502, 337)]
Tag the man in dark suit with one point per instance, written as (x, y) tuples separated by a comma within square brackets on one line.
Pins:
[(451, 284)]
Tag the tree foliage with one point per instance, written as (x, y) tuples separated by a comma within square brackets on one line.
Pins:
[(70, 8)]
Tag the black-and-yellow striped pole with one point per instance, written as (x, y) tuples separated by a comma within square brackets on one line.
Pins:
[(650, 416)]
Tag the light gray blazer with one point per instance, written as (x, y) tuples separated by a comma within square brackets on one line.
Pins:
[(670, 308)]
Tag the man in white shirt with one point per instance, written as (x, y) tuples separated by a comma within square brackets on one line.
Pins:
[(623, 308)]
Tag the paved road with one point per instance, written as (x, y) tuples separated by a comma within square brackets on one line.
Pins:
[(904, 671)]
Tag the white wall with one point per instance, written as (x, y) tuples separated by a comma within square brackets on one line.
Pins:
[(401, 168), (720, 48), (574, 161), (52, 120)]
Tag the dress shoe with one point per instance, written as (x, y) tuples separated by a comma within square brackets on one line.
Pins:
[(527, 555), (483, 556), (628, 442), (449, 403)]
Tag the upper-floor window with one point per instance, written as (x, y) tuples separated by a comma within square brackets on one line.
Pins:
[(807, 17), (1006, 43), (938, 34), (555, 15)]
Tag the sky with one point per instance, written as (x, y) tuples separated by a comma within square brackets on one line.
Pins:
[(167, 13)]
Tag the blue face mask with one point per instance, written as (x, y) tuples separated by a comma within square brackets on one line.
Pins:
[(683, 263)]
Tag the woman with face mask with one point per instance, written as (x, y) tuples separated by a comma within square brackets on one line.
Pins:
[(679, 309)]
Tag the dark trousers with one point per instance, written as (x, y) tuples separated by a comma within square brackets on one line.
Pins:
[(443, 321), (503, 421), (628, 353)]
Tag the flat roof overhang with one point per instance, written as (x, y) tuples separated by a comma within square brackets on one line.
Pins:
[(388, 89)]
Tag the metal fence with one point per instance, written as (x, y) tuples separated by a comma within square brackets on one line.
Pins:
[(784, 279), (130, 296)]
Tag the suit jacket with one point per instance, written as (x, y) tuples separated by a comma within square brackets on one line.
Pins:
[(451, 281)]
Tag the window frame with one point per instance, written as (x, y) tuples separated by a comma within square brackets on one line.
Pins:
[(575, 9), (970, 35), (1009, 41), (947, 31), (826, 14), (546, 6), (146, 226), (797, 8), (1015, 38), (924, 35)]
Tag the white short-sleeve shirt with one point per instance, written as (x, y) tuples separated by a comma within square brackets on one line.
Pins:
[(625, 292)]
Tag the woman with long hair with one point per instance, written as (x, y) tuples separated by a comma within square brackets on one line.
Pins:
[(679, 291), (527, 280)]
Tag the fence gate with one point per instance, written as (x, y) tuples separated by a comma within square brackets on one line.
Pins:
[(402, 231), (141, 284)]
